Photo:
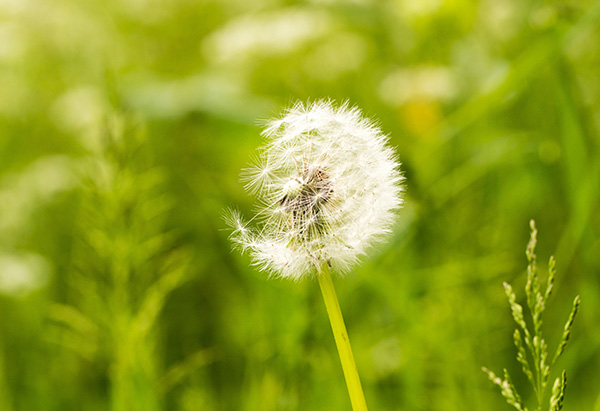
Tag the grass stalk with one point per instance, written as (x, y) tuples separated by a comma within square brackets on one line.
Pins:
[(357, 397)]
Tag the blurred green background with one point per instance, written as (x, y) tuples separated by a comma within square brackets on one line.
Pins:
[(123, 129)]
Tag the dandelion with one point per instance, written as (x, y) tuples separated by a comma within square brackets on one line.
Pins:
[(329, 187)]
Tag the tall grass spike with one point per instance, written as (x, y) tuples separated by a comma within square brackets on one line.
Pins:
[(532, 349)]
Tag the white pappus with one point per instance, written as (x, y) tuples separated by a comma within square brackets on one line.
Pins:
[(328, 186)]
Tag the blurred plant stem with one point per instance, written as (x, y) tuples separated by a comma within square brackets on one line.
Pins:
[(342, 341), (132, 371)]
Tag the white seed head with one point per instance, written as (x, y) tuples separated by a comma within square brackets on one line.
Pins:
[(329, 187)]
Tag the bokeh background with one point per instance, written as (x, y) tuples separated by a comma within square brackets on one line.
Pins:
[(123, 129)]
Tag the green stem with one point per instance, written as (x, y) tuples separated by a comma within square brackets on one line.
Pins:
[(357, 398)]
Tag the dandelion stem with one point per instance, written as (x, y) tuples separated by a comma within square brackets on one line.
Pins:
[(357, 398)]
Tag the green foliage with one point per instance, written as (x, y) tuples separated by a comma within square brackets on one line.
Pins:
[(492, 106), (533, 356)]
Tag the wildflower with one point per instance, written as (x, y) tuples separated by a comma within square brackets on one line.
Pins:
[(328, 186)]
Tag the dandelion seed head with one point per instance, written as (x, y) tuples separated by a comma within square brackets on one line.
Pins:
[(329, 187)]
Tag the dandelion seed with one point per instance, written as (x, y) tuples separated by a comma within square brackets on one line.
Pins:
[(329, 185)]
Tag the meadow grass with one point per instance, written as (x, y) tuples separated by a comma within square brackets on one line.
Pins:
[(118, 287), (532, 349)]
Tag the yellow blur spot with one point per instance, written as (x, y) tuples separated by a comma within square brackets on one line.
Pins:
[(421, 116)]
